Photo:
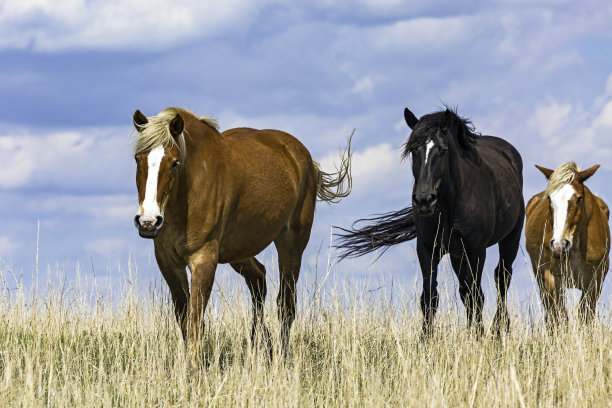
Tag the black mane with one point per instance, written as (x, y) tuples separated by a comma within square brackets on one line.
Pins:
[(429, 124)]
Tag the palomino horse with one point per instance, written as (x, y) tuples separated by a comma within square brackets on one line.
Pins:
[(568, 240), (467, 196), (207, 198)]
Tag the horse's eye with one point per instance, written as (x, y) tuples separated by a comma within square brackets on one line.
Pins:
[(578, 200), (443, 151), (175, 163)]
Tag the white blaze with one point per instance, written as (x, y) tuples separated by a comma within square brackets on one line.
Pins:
[(428, 146), (559, 201), (150, 208)]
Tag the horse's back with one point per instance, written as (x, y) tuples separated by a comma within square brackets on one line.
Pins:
[(498, 185), (493, 149), (276, 142)]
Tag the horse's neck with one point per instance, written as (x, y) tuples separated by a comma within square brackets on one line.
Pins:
[(454, 177), (582, 229)]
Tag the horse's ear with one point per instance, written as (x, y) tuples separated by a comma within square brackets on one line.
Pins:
[(411, 120), (176, 125), (546, 172), (585, 174), (139, 119), (447, 119)]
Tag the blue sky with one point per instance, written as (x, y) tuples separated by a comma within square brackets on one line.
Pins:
[(72, 72)]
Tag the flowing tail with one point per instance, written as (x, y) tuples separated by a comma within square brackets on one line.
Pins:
[(381, 232), (333, 187)]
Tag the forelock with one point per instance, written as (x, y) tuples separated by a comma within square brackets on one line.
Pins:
[(156, 132), (564, 174)]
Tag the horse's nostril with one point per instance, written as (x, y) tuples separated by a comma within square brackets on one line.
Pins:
[(137, 221), (159, 221)]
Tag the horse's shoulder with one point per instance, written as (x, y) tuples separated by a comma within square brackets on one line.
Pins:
[(534, 202), (536, 210)]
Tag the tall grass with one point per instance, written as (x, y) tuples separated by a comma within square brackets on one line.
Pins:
[(69, 345)]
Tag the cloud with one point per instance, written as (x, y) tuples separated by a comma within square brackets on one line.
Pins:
[(374, 169), (571, 132), (84, 159), (123, 24), (549, 119), (7, 245)]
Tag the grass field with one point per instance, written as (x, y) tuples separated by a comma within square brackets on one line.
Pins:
[(61, 346)]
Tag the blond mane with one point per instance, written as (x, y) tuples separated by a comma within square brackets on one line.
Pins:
[(156, 132), (563, 174)]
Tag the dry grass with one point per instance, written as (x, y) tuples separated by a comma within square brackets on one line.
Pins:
[(62, 346)]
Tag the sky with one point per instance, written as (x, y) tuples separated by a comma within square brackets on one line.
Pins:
[(72, 72)]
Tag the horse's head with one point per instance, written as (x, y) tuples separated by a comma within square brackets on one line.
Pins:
[(565, 193), (158, 162), (428, 146)]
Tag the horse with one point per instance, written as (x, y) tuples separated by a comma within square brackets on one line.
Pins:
[(568, 240), (207, 198), (467, 196)]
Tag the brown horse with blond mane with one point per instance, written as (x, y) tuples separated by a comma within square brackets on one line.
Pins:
[(568, 240), (207, 197)]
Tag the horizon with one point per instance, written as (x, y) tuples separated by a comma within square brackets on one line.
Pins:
[(536, 74)]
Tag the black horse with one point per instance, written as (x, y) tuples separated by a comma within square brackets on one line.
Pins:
[(467, 196)]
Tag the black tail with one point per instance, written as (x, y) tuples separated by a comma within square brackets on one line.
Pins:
[(381, 232)]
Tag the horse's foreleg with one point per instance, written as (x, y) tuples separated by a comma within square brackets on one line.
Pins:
[(173, 270), (202, 264), (551, 294), (429, 260), (469, 271)]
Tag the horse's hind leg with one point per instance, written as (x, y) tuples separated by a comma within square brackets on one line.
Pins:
[(254, 274), (508, 248), (290, 245)]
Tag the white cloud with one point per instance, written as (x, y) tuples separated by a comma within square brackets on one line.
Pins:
[(380, 4), (363, 85), (605, 117), (85, 158), (570, 133), (374, 169), (549, 119), (142, 24), (17, 162), (7, 245)]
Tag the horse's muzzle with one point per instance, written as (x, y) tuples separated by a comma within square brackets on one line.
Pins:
[(148, 227), (424, 205), (561, 247)]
